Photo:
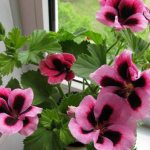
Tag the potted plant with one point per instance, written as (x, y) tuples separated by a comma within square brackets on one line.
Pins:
[(113, 96)]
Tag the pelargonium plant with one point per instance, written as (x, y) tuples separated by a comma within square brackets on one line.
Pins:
[(112, 97)]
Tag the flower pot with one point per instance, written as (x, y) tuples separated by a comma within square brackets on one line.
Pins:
[(76, 146)]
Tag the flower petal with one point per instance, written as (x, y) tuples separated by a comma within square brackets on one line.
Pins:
[(54, 60), (143, 81), (32, 111), (46, 71), (69, 58), (107, 15), (136, 22), (20, 100), (108, 106), (125, 67), (128, 8), (70, 75), (123, 137), (85, 113), (102, 143), (106, 76), (57, 78), (4, 93), (139, 102), (84, 136), (29, 125), (9, 125), (3, 106)]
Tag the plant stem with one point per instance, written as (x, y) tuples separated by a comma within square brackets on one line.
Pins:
[(60, 90), (83, 84), (69, 87), (88, 85), (111, 46)]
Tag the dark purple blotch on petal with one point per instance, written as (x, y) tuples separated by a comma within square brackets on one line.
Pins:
[(100, 139), (108, 81), (9, 121), (86, 131), (25, 122), (5, 97), (91, 117), (134, 100), (127, 11), (105, 114), (114, 136), (132, 21), (139, 82), (18, 103), (110, 16), (123, 71)]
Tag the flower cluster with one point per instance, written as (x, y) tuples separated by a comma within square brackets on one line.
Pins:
[(17, 113), (122, 14), (110, 120)]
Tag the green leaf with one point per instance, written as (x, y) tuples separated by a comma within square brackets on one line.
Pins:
[(65, 135), (27, 56), (49, 117), (14, 41), (134, 42), (40, 40), (7, 64), (96, 37), (90, 147), (75, 48), (42, 90), (43, 139), (2, 32), (73, 100), (87, 64), (13, 84)]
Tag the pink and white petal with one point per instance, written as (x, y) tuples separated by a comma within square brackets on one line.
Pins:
[(147, 13), (29, 125), (117, 24), (107, 15), (51, 58), (85, 113), (32, 111), (69, 58), (122, 136), (57, 79), (46, 71), (70, 75), (106, 76), (20, 100), (4, 106), (125, 67), (143, 81), (83, 136), (108, 106), (102, 143), (9, 125), (139, 102), (136, 22), (71, 111), (4, 93)]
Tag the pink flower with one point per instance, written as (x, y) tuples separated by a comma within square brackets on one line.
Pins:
[(17, 113), (71, 111), (124, 80), (147, 13), (57, 67), (123, 14), (103, 122)]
